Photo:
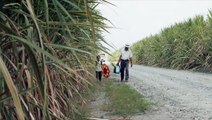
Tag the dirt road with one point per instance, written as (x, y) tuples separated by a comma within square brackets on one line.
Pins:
[(179, 95)]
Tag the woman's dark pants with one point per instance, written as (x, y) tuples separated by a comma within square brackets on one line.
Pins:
[(99, 75)]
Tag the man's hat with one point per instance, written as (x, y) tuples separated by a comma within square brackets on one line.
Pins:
[(127, 45)]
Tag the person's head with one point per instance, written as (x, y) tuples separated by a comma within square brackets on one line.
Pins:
[(126, 48), (98, 57)]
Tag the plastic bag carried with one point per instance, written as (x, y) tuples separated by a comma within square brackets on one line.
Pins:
[(116, 69)]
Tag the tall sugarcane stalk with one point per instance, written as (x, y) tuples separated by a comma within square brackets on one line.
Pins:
[(47, 48)]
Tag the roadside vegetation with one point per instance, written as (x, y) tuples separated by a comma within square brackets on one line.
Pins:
[(114, 57), (184, 45), (123, 101), (47, 54)]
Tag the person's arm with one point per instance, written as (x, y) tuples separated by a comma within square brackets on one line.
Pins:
[(131, 58), (131, 61), (96, 63), (101, 62)]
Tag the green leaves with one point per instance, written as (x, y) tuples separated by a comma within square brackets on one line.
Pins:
[(12, 88), (184, 45), (48, 49)]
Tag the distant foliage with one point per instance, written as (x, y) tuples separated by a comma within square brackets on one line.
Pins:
[(185, 45), (114, 57)]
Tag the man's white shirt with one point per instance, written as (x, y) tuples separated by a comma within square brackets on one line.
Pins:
[(126, 55)]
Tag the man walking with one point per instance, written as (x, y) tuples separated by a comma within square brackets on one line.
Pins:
[(125, 58)]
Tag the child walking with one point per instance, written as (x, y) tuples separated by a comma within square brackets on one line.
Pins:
[(98, 68)]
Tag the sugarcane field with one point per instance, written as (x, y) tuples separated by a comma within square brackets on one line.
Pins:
[(105, 60)]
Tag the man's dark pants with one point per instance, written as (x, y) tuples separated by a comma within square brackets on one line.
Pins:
[(124, 67)]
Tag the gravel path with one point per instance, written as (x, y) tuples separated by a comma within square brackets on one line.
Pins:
[(179, 95)]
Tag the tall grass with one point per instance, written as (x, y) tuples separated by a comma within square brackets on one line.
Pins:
[(47, 49), (184, 45)]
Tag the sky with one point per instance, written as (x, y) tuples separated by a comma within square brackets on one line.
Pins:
[(133, 20)]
